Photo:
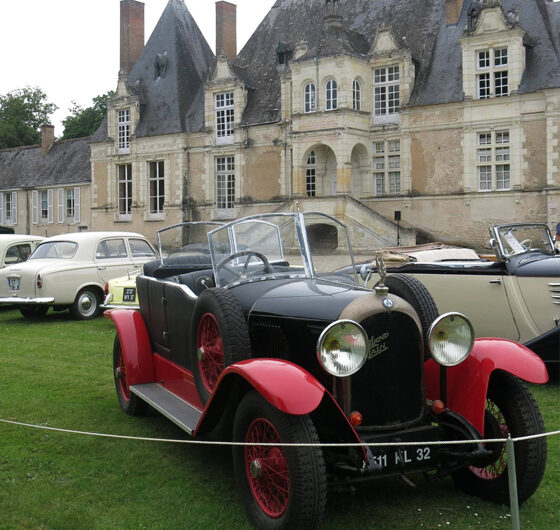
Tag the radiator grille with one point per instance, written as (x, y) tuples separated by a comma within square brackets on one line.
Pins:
[(389, 389)]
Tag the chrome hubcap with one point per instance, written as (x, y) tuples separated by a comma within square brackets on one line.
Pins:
[(255, 469)]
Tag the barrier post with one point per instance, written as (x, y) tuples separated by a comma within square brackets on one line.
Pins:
[(512, 477)]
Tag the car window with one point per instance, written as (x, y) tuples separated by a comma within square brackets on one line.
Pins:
[(140, 248), (17, 253), (55, 250), (111, 249)]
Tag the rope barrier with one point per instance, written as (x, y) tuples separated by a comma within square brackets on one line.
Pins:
[(210, 442)]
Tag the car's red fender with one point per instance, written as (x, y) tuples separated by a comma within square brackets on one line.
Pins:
[(136, 346), (285, 385), (467, 383)]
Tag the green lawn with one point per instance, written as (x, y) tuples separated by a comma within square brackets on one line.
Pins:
[(58, 372)]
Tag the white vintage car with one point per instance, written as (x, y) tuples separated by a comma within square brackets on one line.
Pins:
[(70, 271), (15, 248)]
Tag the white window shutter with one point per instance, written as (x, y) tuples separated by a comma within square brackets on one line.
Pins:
[(2, 199), (60, 205), (77, 205), (35, 201), (14, 207), (50, 200)]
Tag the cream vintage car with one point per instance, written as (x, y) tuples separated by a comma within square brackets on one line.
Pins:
[(514, 295), (70, 271), (15, 248)]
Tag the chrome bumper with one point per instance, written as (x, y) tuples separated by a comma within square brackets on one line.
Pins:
[(108, 305), (27, 301)]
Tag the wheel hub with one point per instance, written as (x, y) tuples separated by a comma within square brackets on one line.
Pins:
[(256, 469), (200, 354)]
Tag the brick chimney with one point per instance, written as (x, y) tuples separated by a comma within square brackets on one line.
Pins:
[(47, 138), (226, 29), (132, 33), (453, 10)]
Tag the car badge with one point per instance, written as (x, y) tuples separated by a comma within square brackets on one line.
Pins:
[(388, 303)]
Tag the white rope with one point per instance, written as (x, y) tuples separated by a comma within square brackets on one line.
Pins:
[(204, 442)]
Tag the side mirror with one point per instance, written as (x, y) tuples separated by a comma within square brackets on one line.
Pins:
[(493, 243), (365, 271)]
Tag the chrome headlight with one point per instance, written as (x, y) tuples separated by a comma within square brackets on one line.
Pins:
[(342, 348), (451, 339)]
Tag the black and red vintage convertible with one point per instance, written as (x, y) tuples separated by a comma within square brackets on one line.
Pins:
[(248, 336)]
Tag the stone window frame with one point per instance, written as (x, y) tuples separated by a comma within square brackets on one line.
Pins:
[(493, 160), (387, 167), (224, 167), (311, 175), (124, 183), (381, 80), (331, 94), (357, 94), (156, 198), (309, 97), (492, 72), (224, 108), (123, 130)]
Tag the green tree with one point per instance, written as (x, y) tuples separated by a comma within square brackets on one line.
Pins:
[(84, 122), (22, 112)]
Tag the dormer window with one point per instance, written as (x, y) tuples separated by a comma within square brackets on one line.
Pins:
[(387, 90), (492, 73), (124, 130), (331, 95), (225, 116), (310, 96), (283, 54)]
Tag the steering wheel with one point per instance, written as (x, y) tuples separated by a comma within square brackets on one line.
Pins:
[(250, 254), (526, 243)]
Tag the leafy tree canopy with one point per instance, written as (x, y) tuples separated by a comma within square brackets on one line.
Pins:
[(22, 113), (84, 122)]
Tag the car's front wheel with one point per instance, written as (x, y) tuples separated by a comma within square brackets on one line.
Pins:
[(280, 487), (86, 304), (512, 410), (35, 311)]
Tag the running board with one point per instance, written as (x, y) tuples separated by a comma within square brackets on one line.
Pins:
[(180, 412)]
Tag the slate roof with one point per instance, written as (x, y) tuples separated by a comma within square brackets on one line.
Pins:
[(67, 163), (166, 101), (419, 25)]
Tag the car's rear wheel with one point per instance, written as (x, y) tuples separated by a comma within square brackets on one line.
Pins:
[(512, 410), (281, 487), (415, 293), (86, 305), (129, 402), (36, 311), (219, 338)]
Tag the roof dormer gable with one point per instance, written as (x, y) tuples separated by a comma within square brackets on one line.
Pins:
[(384, 42), (223, 71), (490, 18)]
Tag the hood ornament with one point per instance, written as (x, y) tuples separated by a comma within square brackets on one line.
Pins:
[(380, 288)]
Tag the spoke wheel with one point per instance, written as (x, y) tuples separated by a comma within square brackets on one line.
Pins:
[(219, 337), (280, 487), (510, 410), (210, 351), (129, 402)]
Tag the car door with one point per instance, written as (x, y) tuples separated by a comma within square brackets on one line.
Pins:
[(141, 251), (112, 258)]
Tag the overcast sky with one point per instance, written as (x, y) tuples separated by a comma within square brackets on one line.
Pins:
[(70, 48)]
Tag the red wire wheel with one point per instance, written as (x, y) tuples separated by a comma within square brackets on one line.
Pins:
[(120, 376), (267, 469), (210, 350), (129, 402)]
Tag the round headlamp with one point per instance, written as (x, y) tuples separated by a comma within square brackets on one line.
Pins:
[(342, 348), (451, 339)]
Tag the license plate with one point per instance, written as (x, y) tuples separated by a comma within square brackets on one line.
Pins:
[(129, 294), (407, 456), (14, 284)]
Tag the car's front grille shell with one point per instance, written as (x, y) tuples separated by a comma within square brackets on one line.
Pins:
[(389, 389)]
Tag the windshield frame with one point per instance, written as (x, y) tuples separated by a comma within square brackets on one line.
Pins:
[(498, 245), (303, 241)]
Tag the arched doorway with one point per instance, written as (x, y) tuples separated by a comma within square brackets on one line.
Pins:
[(360, 171), (320, 171)]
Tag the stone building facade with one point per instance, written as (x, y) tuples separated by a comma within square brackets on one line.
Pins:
[(447, 111)]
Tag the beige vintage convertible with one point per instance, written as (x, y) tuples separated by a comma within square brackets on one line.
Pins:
[(70, 271), (514, 295)]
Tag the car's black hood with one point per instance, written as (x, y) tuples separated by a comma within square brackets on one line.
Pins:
[(296, 298), (535, 264)]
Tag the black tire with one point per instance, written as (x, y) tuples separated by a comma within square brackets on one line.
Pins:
[(299, 471), (414, 292), (510, 409), (36, 311), (129, 402), (220, 329), (87, 304)]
